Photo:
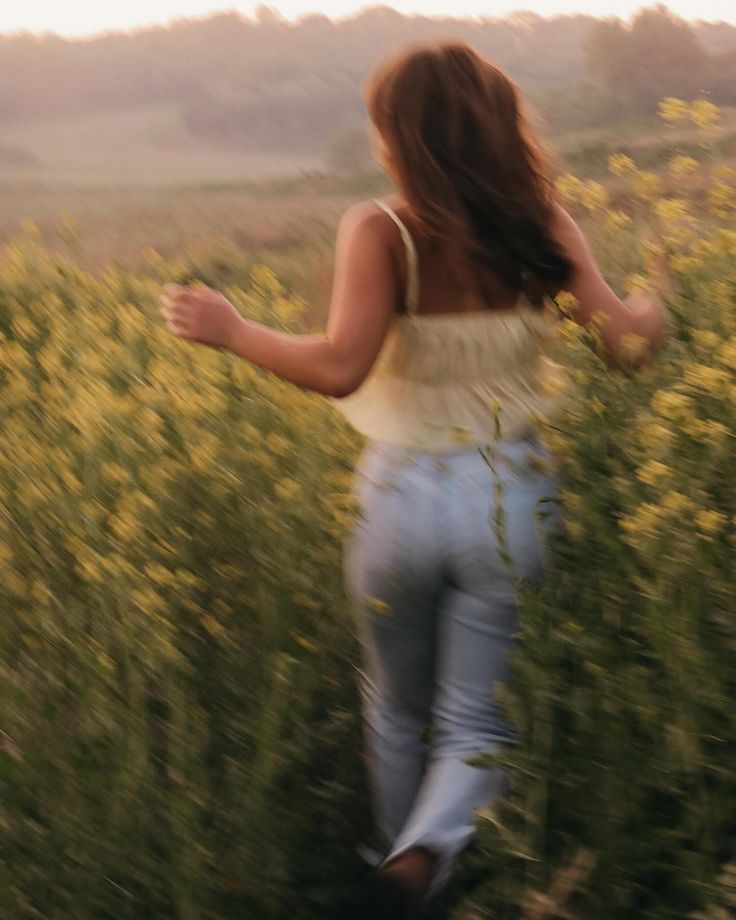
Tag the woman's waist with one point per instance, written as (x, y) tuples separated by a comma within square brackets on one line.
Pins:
[(523, 453)]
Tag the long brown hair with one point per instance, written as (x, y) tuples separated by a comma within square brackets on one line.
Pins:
[(470, 166)]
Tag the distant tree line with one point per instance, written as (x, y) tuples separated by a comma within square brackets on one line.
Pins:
[(266, 84), (630, 68)]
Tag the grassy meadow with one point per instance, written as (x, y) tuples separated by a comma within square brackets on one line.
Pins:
[(179, 734)]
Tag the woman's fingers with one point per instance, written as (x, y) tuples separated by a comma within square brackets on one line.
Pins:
[(174, 308), (182, 308), (184, 290), (175, 290), (178, 327), (175, 316), (173, 300)]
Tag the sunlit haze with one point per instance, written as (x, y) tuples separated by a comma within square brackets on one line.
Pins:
[(79, 17)]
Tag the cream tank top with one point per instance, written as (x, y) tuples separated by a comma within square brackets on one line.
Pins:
[(445, 381)]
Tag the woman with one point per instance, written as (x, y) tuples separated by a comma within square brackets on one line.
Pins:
[(434, 351)]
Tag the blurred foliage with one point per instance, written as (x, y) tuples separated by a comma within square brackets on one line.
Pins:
[(178, 704)]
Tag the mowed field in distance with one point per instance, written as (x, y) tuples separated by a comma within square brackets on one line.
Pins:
[(136, 179)]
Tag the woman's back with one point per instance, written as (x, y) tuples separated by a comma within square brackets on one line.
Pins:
[(453, 371), (441, 292)]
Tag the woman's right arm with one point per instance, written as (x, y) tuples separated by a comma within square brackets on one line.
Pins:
[(641, 313)]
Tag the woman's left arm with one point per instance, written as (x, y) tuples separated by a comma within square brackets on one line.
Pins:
[(364, 297)]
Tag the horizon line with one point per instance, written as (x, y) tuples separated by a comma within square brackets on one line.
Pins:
[(163, 24)]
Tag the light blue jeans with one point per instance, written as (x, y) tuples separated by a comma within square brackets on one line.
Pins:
[(431, 570)]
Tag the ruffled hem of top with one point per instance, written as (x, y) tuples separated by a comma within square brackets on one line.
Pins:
[(445, 416)]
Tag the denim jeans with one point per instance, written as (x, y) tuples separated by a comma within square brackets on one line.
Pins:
[(431, 571)]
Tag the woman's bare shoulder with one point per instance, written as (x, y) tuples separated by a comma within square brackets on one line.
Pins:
[(359, 211), (367, 216)]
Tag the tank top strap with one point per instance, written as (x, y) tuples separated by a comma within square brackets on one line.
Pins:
[(412, 290)]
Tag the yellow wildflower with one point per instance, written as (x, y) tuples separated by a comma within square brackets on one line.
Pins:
[(633, 345), (593, 196), (682, 165), (71, 481), (90, 569), (213, 626), (722, 171), (569, 186), (277, 443), (676, 502), (704, 114), (704, 377), (671, 209), (124, 525), (672, 405), (706, 339), (568, 331), (567, 302), (115, 473), (636, 282), (647, 186), (721, 199), (703, 247), (619, 164), (461, 434), (710, 522), (189, 579), (159, 574), (726, 239), (714, 431), (287, 309), (148, 601), (653, 473), (14, 355), (243, 372), (726, 354), (615, 220), (645, 521), (264, 461), (24, 328), (287, 488), (15, 585), (557, 443), (684, 264), (672, 109), (263, 277), (41, 593), (708, 431), (378, 606)]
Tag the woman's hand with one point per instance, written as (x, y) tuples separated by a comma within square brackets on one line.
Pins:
[(200, 314)]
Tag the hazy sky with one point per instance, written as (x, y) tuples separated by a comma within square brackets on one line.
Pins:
[(82, 17)]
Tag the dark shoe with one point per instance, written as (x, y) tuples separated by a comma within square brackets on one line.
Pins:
[(397, 890), (388, 898)]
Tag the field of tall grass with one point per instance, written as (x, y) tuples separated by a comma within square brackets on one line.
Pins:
[(179, 732)]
